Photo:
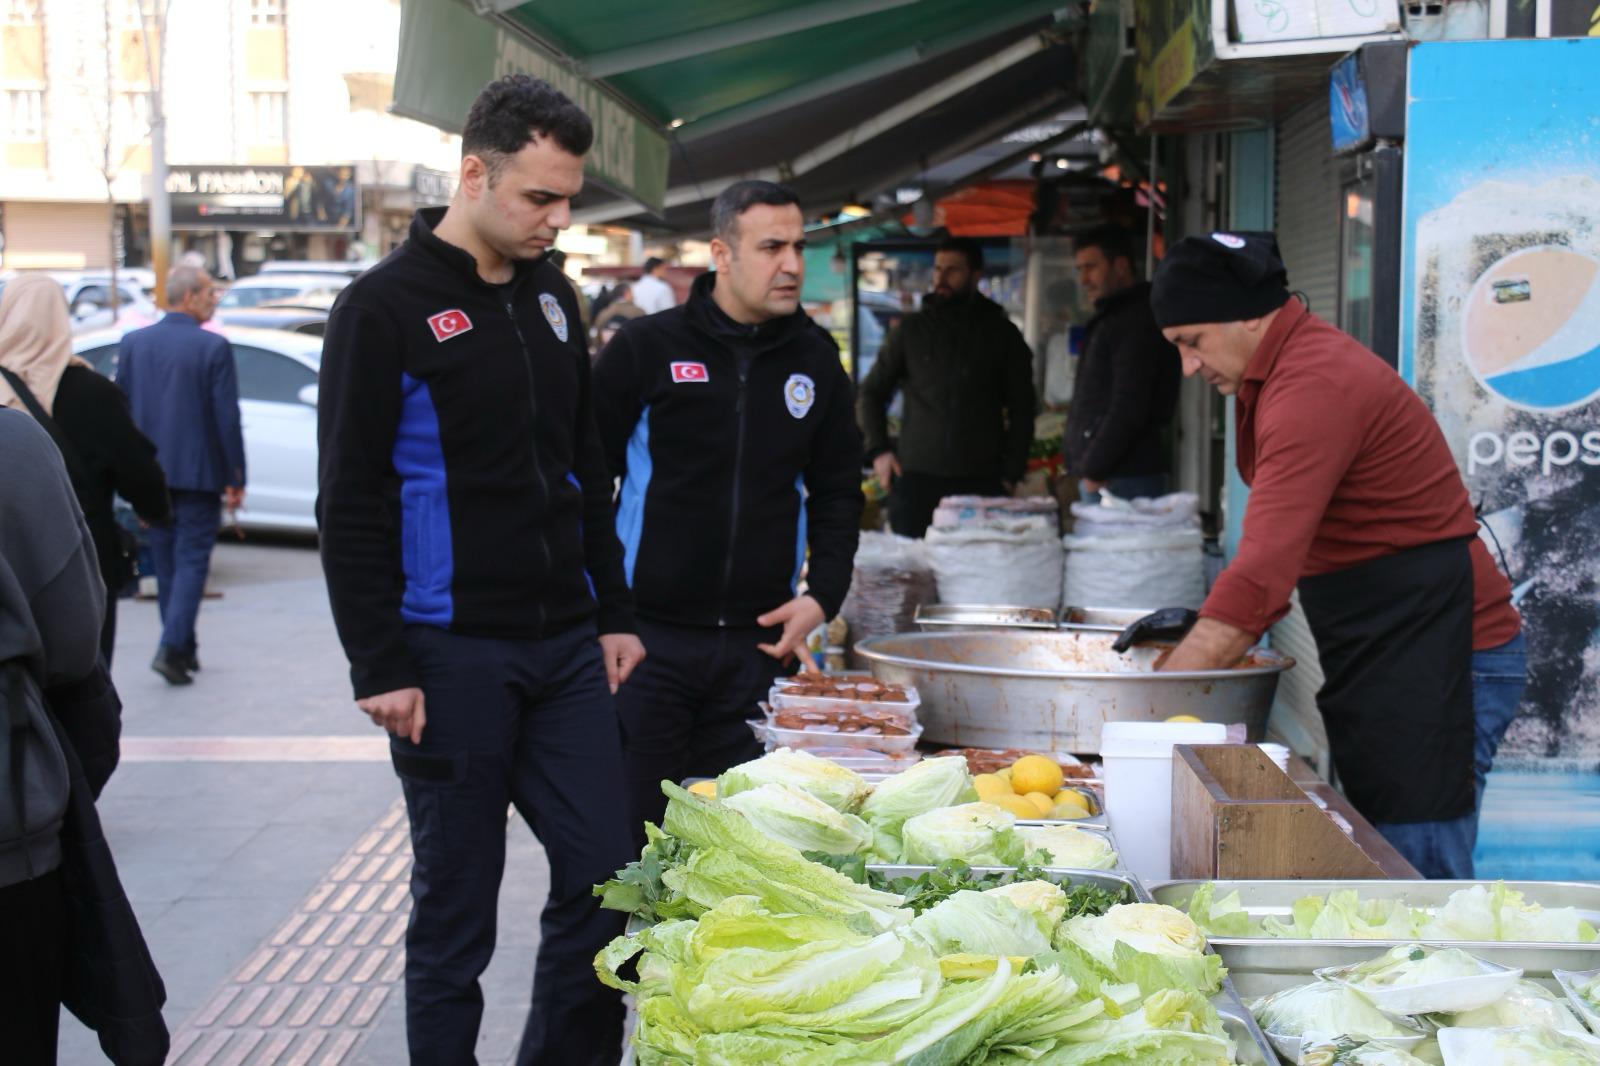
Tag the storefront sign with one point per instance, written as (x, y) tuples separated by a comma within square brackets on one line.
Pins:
[(448, 54), (432, 187), (265, 198), (1500, 333), (1174, 44), (1347, 105)]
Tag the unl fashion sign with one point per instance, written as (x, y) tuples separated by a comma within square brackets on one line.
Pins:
[(448, 54), (265, 197), (1500, 333)]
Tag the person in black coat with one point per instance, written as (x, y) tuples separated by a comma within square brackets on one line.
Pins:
[(88, 417), (1126, 389)]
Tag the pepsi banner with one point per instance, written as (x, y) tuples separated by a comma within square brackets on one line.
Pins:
[(1500, 334)]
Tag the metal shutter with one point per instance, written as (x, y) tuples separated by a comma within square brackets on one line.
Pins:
[(59, 236), (1307, 193)]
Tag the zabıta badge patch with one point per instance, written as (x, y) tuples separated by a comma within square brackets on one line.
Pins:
[(554, 315), (799, 393)]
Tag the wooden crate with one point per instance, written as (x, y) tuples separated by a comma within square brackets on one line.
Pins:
[(1235, 815)]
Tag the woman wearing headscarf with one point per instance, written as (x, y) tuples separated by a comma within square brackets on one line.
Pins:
[(88, 417)]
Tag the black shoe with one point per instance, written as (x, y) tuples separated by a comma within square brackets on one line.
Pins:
[(191, 663), (171, 667)]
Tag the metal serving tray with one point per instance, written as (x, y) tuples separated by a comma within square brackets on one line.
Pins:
[(1269, 957), (1101, 619), (944, 617), (1110, 880), (1253, 1048)]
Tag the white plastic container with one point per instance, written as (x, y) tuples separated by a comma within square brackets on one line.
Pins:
[(1136, 762)]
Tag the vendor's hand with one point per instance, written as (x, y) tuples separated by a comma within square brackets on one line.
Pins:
[(1210, 645), (400, 712), (233, 497), (622, 651), (798, 618), (886, 467)]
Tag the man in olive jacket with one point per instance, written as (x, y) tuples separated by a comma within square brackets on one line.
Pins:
[(967, 378)]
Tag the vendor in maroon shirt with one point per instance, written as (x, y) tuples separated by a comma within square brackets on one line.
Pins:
[(1356, 501)]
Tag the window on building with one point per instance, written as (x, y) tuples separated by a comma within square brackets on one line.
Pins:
[(19, 12), (266, 12), (24, 115), (137, 14), (268, 113)]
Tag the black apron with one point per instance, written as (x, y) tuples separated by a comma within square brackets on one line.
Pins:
[(1395, 639)]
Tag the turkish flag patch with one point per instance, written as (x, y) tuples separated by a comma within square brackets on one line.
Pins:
[(690, 372), (447, 324)]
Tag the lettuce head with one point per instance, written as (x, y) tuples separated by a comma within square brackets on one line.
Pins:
[(800, 820), (927, 786), (1064, 845), (1326, 1007), (838, 787), (979, 834), (982, 923), (1044, 897), (1148, 944)]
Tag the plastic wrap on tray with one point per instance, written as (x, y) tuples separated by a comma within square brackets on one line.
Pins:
[(816, 740), (845, 696)]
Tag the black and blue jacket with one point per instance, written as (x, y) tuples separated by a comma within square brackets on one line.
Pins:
[(738, 451), (462, 483)]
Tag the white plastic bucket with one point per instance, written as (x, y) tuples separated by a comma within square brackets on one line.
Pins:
[(1137, 765)]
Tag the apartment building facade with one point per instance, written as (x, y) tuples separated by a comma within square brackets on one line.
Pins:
[(261, 97)]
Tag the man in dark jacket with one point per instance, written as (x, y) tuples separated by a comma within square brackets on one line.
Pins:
[(475, 576), (728, 419), (1127, 384), (967, 378), (184, 391)]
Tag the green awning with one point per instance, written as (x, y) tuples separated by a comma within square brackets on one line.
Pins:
[(695, 68)]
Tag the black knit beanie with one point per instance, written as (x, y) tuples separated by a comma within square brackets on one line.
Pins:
[(1223, 277)]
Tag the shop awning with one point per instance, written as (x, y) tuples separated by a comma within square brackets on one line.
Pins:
[(834, 96)]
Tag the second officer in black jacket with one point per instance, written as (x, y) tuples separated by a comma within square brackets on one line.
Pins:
[(730, 421)]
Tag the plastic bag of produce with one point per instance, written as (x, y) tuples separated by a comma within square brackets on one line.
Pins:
[(1326, 1007), (1318, 1049), (1014, 563), (1413, 979), (893, 577), (1143, 569), (1177, 510), (1522, 1045), (1528, 1003)]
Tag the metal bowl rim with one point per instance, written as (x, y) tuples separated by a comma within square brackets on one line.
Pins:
[(1276, 663)]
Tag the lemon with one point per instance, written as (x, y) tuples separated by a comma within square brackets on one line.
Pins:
[(1066, 812), (1041, 801), (1035, 773), (1073, 798), (1017, 805), (1184, 718), (990, 785), (704, 788), (1004, 775)]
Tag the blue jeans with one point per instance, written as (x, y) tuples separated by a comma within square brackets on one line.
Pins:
[(1129, 488), (182, 555), (1444, 849)]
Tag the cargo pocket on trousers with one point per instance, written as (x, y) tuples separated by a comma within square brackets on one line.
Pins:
[(427, 778)]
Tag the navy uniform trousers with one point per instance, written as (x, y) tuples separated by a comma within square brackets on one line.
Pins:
[(529, 723)]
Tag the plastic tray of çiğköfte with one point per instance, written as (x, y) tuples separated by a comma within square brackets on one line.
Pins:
[(812, 739), (791, 698), (1283, 956)]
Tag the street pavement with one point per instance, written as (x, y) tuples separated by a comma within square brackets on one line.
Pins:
[(255, 820)]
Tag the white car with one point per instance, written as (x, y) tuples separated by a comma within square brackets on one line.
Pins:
[(278, 409), (283, 288)]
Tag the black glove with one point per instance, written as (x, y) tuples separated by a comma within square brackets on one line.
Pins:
[(1167, 623)]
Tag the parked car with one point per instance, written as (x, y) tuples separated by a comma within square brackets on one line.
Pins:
[(346, 267), (311, 321), (282, 288), (278, 409)]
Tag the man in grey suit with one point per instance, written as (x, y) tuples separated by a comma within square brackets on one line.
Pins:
[(184, 391)]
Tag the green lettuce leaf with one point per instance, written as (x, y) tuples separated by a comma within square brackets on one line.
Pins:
[(927, 786), (800, 820), (838, 787), (977, 833), (1499, 912), (981, 923), (1224, 917)]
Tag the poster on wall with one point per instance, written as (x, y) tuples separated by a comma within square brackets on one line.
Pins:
[(265, 197), (1500, 334)]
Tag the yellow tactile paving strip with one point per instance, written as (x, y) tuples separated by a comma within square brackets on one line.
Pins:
[(309, 995)]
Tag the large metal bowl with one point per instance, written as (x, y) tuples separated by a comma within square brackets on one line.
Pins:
[(1053, 691)]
